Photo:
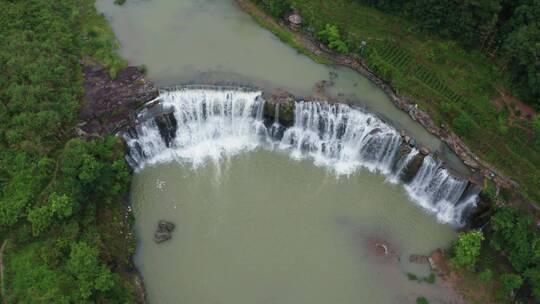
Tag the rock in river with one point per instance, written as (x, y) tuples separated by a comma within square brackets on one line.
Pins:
[(163, 232)]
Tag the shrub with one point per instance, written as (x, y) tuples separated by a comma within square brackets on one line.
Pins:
[(430, 279), (119, 2), (421, 300), (508, 283), (486, 275), (331, 36), (142, 68), (467, 249), (276, 8), (462, 124)]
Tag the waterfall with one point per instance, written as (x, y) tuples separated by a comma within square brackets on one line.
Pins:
[(341, 138), (436, 190), (204, 124), (401, 165), (210, 124)]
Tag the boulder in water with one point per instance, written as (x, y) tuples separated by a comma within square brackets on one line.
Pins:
[(165, 226), (160, 237), (163, 232), (410, 171), (424, 150), (418, 259)]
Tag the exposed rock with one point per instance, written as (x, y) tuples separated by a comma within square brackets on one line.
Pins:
[(410, 171), (438, 262), (412, 142), (380, 247), (424, 150), (295, 21), (110, 104), (285, 101), (418, 259), (167, 126), (160, 237), (165, 226), (163, 232)]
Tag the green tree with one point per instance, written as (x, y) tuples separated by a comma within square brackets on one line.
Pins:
[(508, 283), (41, 219), (331, 36), (467, 249), (462, 124), (85, 267)]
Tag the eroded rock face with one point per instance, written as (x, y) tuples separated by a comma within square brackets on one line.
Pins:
[(286, 102), (110, 104), (410, 172)]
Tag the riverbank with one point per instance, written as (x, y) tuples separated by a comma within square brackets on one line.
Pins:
[(413, 106)]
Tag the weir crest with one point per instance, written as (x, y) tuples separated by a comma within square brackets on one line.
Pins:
[(197, 124)]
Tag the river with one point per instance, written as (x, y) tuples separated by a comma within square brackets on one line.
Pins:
[(265, 227)]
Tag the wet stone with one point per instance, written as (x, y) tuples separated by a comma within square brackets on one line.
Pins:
[(164, 231)]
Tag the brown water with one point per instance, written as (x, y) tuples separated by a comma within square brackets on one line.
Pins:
[(260, 227)]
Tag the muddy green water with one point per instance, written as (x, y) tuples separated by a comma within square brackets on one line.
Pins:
[(259, 227), (207, 41)]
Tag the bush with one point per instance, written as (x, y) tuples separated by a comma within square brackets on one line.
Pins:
[(142, 68), (276, 8), (508, 283), (486, 275), (421, 300), (331, 36), (430, 279), (467, 249), (462, 124)]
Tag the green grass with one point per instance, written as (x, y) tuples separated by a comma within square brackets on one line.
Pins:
[(442, 78)]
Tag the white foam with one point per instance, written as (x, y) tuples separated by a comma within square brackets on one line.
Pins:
[(217, 124)]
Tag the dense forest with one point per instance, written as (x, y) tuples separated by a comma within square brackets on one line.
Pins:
[(61, 197)]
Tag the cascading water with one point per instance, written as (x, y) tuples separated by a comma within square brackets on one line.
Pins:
[(341, 138), (208, 124), (401, 165), (436, 190)]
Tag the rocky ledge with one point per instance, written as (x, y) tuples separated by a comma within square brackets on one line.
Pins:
[(111, 103)]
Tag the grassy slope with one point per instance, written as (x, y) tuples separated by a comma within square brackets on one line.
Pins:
[(444, 79)]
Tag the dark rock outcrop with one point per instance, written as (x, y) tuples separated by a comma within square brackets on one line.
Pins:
[(285, 101), (410, 171), (110, 104), (167, 126), (418, 259), (164, 231)]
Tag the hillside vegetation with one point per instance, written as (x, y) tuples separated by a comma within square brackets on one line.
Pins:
[(61, 198)]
